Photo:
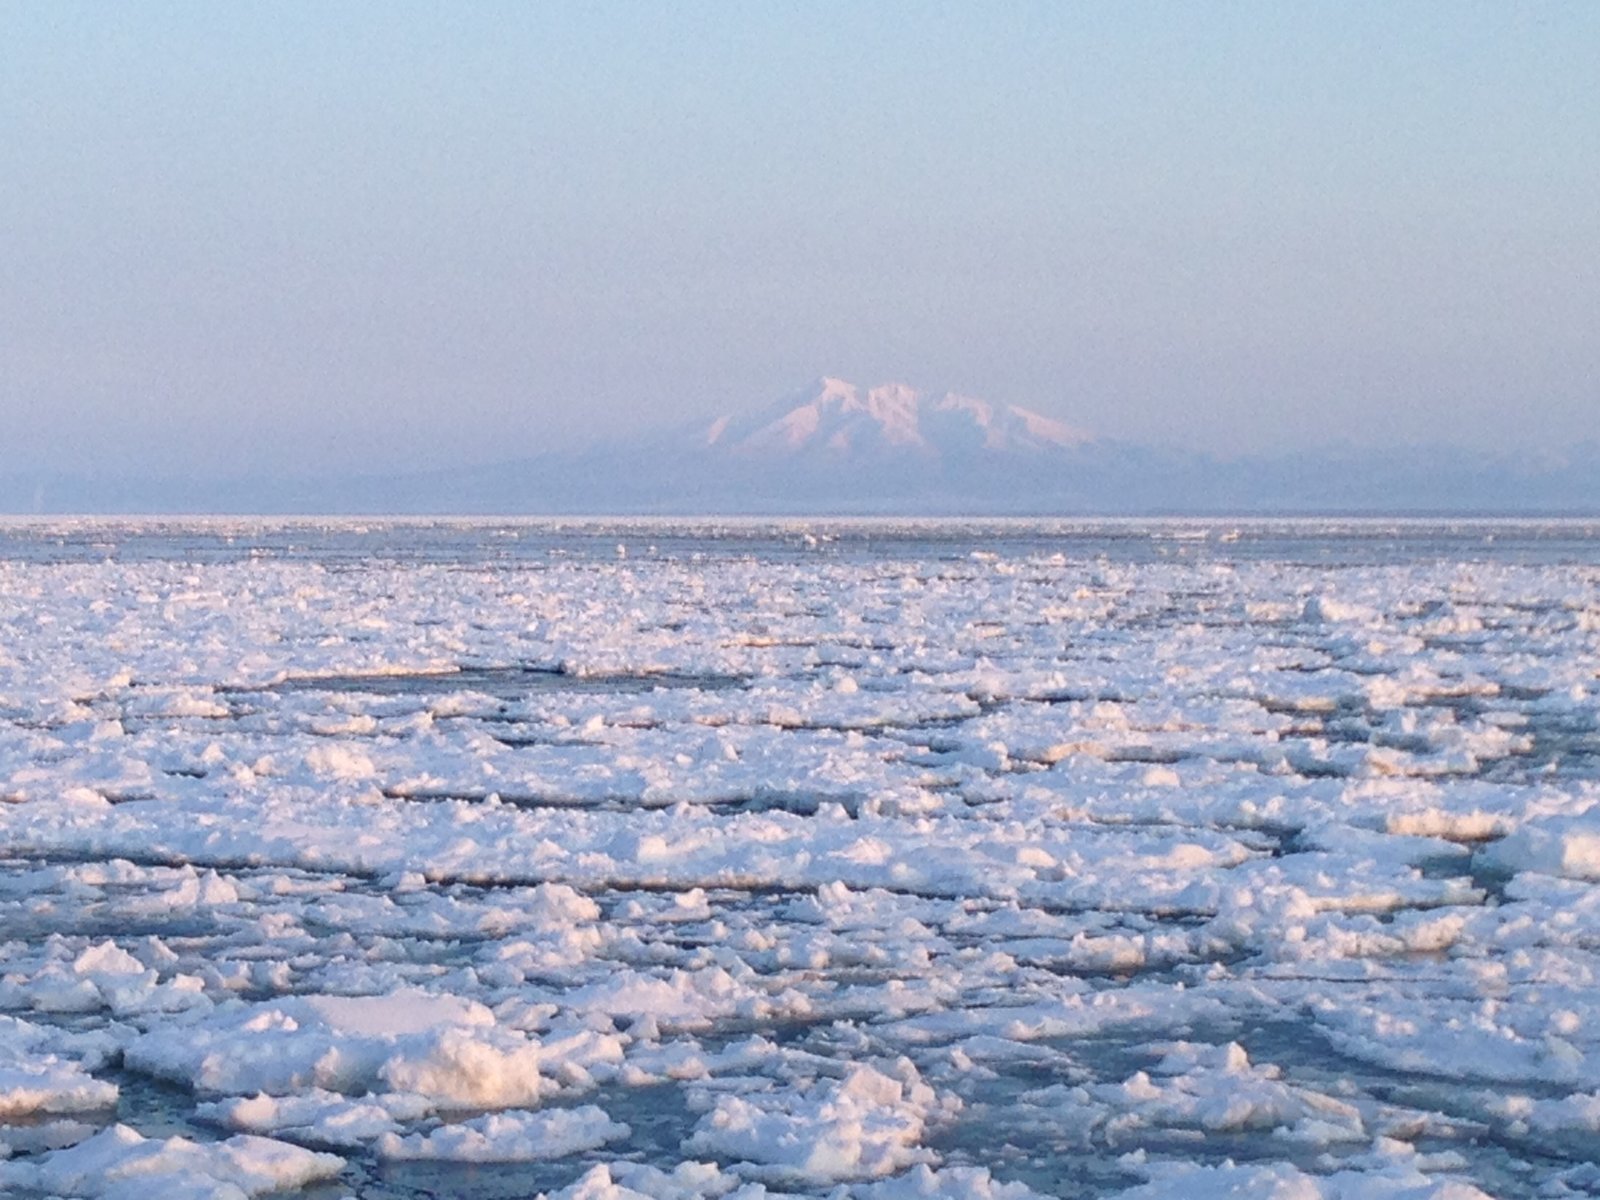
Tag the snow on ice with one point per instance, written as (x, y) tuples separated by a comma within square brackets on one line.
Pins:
[(874, 860)]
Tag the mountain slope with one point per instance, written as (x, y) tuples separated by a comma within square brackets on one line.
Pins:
[(838, 419), (835, 448)]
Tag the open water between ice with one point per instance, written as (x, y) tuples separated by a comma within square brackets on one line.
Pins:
[(405, 859)]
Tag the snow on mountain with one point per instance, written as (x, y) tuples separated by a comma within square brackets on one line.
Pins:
[(836, 419), (834, 447)]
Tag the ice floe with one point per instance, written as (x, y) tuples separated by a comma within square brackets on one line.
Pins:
[(854, 860)]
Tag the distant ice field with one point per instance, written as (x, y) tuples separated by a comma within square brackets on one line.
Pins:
[(343, 540), (606, 859)]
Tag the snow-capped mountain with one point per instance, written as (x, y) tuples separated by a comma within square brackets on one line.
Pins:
[(833, 418), (836, 448)]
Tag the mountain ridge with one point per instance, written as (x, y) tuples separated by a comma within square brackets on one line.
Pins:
[(833, 448), (836, 416)]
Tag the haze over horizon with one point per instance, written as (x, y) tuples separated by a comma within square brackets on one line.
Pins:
[(251, 239)]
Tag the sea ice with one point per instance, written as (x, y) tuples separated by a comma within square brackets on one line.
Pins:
[(876, 860)]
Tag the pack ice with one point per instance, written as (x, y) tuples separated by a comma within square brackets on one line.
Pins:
[(852, 859)]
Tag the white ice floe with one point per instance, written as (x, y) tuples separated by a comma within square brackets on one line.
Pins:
[(1212, 1089), (120, 1164), (1555, 845), (640, 1181), (446, 1049), (705, 1181), (1285, 1182), (323, 1117), (868, 1124), (510, 1137), (46, 1071)]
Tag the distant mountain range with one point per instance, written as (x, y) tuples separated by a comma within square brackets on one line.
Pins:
[(835, 448)]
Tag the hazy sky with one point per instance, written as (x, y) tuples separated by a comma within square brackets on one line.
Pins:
[(240, 236)]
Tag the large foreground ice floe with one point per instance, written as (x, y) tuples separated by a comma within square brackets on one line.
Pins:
[(863, 861)]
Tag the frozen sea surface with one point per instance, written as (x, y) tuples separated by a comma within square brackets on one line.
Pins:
[(869, 859)]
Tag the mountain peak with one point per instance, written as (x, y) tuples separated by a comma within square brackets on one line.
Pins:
[(834, 418)]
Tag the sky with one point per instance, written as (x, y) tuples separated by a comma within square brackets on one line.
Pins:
[(360, 236)]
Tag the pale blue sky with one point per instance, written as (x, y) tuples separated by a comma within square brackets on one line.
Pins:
[(243, 236)]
